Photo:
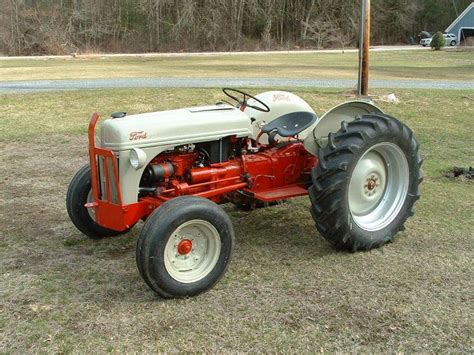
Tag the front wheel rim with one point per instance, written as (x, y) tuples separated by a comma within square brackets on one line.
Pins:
[(90, 210), (192, 251), (378, 186)]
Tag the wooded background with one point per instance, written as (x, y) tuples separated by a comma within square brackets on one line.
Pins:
[(29, 27)]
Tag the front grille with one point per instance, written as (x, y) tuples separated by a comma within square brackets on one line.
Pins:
[(107, 179)]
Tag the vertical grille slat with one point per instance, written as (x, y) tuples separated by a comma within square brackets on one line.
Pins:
[(108, 186)]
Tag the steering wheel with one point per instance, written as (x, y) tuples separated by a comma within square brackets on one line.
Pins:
[(228, 91)]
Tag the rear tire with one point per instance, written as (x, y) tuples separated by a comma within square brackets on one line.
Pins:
[(185, 247), (78, 194), (366, 182)]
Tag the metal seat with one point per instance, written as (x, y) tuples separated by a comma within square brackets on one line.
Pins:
[(291, 124)]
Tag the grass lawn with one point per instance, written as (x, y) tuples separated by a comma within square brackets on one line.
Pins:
[(444, 65), (61, 292)]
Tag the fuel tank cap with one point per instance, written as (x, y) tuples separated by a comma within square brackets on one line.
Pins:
[(118, 114)]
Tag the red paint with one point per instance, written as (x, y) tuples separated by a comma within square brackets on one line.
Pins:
[(216, 172), (281, 193), (272, 174), (185, 246)]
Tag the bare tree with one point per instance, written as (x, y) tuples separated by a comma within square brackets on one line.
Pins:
[(62, 26)]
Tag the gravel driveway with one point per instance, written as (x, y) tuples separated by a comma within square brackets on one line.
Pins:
[(84, 84)]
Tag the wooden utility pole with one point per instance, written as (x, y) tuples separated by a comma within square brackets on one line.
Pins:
[(455, 8), (364, 45)]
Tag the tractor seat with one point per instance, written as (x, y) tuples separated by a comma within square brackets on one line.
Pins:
[(291, 124)]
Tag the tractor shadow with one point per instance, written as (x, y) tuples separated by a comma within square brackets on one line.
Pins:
[(268, 241), (286, 229)]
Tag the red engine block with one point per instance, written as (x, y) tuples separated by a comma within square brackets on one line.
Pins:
[(275, 173), (272, 174)]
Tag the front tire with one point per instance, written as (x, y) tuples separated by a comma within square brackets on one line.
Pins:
[(366, 183), (185, 247), (78, 194), (453, 43)]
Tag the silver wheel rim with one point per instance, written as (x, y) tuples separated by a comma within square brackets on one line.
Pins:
[(378, 186), (201, 259), (91, 211)]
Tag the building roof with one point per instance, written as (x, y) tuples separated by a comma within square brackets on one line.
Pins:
[(464, 13)]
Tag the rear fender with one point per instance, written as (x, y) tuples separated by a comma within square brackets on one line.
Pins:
[(331, 121)]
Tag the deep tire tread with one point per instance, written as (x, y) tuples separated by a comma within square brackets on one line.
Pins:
[(331, 178)]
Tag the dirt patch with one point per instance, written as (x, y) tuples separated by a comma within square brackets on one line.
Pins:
[(121, 252), (460, 174)]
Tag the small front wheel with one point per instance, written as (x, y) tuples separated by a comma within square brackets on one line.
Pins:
[(185, 247), (78, 194)]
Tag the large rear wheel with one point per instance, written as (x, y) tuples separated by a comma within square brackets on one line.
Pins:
[(366, 183), (185, 247)]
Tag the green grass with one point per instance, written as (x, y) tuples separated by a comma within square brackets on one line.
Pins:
[(61, 292), (448, 65)]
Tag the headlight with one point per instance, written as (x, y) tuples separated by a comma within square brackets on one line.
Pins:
[(137, 158)]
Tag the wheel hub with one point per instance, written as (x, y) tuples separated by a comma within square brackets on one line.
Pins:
[(371, 183), (367, 183), (185, 246), (192, 251), (378, 186), (91, 211)]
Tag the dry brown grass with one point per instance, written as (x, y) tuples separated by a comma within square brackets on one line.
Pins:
[(412, 65), (286, 289)]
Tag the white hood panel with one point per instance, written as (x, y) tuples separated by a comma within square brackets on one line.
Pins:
[(175, 127)]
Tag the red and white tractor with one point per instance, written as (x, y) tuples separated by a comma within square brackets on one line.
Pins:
[(172, 169)]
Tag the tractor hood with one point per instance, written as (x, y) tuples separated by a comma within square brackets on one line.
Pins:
[(175, 127)]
